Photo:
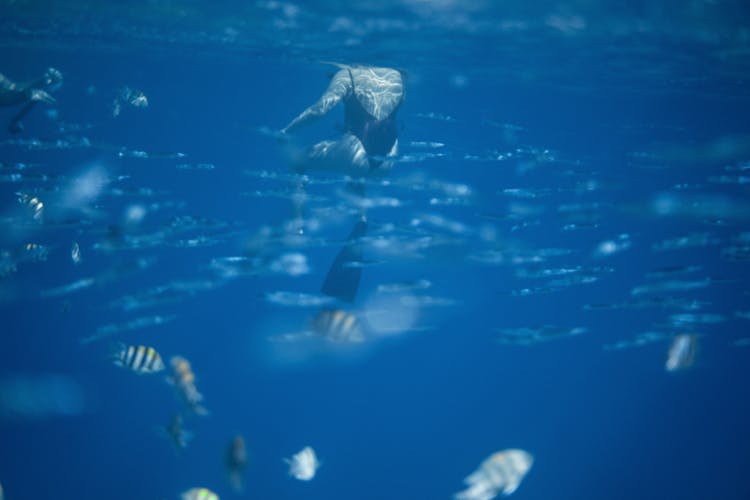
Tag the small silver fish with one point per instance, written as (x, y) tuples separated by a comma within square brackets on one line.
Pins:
[(75, 253), (682, 352)]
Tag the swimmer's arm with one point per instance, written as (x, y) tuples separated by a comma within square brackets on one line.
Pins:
[(337, 90)]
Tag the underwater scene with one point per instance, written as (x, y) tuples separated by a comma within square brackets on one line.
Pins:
[(393, 249)]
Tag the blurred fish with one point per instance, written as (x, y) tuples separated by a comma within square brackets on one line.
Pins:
[(158, 155), (2, 496), (693, 240), (140, 359), (682, 352), (291, 264), (183, 379), (170, 293), (668, 271), (69, 288), (176, 433), (31, 252), (295, 299), (199, 494), (111, 329), (526, 193), (422, 301), (338, 326), (670, 286), (75, 253), (438, 221), (426, 144), (128, 96), (401, 287), (196, 166), (107, 276), (236, 461), (34, 204), (529, 335), (303, 465), (436, 116), (690, 319), (664, 302), (702, 206), (35, 252), (610, 247), (501, 472), (639, 340), (547, 272)]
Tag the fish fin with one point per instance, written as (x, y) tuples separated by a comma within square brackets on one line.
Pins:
[(342, 279)]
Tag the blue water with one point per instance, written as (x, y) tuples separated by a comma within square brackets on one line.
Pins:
[(626, 125)]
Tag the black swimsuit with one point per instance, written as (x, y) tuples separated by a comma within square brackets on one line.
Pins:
[(377, 136)]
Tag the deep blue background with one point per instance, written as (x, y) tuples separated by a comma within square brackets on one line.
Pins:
[(413, 415)]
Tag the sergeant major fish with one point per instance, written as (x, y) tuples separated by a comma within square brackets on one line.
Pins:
[(337, 325), (140, 359)]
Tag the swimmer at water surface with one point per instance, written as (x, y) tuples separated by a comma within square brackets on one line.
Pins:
[(372, 96)]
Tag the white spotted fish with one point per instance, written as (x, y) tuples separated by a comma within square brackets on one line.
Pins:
[(500, 472), (140, 359), (338, 326), (199, 494), (303, 465)]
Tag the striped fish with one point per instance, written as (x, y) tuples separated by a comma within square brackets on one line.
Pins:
[(338, 326), (140, 359)]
